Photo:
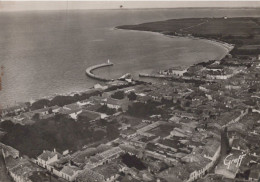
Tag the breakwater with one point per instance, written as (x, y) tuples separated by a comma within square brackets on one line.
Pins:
[(89, 71)]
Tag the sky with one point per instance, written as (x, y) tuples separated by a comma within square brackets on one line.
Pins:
[(62, 5)]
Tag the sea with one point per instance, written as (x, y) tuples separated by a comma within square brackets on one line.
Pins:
[(43, 53)]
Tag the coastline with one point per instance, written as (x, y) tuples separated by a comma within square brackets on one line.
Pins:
[(224, 45), (228, 48)]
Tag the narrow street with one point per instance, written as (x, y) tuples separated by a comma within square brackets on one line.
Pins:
[(4, 177)]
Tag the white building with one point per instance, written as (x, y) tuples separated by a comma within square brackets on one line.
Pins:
[(46, 158)]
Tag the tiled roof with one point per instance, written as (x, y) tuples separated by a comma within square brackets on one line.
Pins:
[(68, 111), (95, 159), (9, 149), (11, 162), (69, 170), (72, 106), (80, 156), (41, 176), (24, 169), (46, 155), (107, 170), (111, 152), (255, 172), (89, 176)]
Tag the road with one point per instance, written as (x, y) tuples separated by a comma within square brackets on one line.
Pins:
[(4, 177)]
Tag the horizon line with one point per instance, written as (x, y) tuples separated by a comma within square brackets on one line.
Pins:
[(14, 6)]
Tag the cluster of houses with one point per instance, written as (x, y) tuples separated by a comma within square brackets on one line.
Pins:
[(19, 169), (101, 165)]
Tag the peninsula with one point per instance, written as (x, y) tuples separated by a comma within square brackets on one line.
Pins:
[(242, 32)]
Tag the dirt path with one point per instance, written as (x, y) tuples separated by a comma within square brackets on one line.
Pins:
[(185, 29)]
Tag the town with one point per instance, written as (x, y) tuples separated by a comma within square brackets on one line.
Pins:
[(201, 124)]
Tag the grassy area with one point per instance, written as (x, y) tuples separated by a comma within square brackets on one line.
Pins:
[(243, 32)]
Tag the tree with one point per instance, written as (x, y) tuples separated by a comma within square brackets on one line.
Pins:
[(98, 135), (139, 109), (112, 131), (50, 111), (132, 96), (118, 95), (107, 110), (36, 116), (85, 120), (7, 125), (40, 104)]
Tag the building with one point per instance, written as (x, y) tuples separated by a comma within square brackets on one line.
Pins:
[(109, 172), (21, 169), (8, 151), (117, 103), (13, 110), (73, 106), (110, 154), (43, 113), (72, 113), (203, 165), (39, 176), (88, 175), (69, 172), (103, 157), (94, 115), (46, 158), (254, 174)]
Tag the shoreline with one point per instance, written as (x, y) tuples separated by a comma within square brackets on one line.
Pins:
[(228, 47)]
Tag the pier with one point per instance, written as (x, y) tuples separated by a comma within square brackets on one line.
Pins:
[(90, 69)]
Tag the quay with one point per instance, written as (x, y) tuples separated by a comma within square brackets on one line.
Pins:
[(177, 78), (89, 71), (154, 76)]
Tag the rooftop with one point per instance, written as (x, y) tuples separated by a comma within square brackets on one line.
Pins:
[(46, 155), (108, 170), (111, 152), (69, 170), (88, 175)]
